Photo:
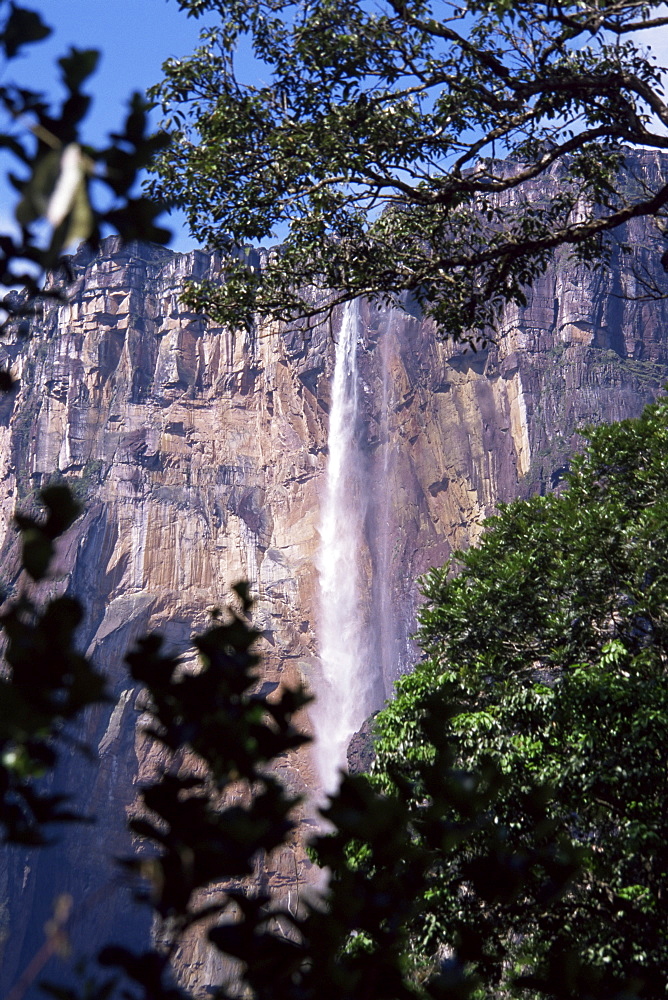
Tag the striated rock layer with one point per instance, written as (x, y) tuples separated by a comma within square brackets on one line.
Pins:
[(201, 453)]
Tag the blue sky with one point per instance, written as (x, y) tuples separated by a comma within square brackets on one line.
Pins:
[(134, 36)]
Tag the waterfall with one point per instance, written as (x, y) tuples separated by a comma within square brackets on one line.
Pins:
[(344, 692)]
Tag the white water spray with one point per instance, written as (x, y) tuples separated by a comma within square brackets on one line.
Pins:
[(344, 693)]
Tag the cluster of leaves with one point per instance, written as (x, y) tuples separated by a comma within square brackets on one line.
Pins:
[(45, 684), (547, 655), (57, 169), (367, 137)]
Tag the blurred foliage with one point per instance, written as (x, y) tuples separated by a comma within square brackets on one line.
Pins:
[(409, 149), (45, 684), (68, 190)]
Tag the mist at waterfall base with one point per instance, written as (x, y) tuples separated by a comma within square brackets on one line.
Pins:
[(352, 652)]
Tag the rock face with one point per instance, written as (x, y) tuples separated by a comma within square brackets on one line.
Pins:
[(201, 453)]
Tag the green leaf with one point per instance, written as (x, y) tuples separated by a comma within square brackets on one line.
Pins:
[(63, 509), (23, 27), (77, 66), (37, 553)]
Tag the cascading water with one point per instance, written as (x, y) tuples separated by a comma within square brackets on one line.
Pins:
[(344, 695)]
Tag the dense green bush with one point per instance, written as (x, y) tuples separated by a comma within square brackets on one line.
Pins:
[(546, 653)]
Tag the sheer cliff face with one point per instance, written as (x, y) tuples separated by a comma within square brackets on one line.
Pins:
[(202, 452)]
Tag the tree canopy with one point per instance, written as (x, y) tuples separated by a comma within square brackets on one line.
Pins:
[(546, 663), (440, 149)]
